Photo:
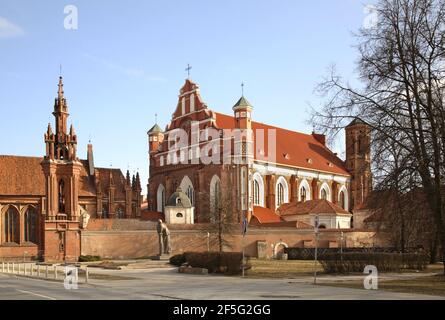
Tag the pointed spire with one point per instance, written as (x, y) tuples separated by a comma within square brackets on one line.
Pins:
[(127, 180), (138, 181), (49, 131), (90, 159), (60, 93), (133, 182), (72, 132)]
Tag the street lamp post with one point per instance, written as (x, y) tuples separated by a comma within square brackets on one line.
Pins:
[(316, 223), (341, 246)]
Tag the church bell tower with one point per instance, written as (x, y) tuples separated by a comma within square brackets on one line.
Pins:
[(62, 169), (244, 154), (358, 161)]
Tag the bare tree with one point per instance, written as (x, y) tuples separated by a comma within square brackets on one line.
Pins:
[(401, 67), (220, 212)]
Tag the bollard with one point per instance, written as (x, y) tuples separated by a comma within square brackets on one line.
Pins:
[(18, 266), (55, 272), (38, 271), (13, 267), (8, 267), (3, 267), (46, 272), (86, 275)]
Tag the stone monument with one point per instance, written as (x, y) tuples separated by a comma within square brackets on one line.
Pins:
[(164, 241), (84, 217)]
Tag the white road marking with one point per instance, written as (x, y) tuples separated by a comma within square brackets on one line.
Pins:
[(36, 294)]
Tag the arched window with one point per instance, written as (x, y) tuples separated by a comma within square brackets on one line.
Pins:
[(12, 225), (303, 194), (324, 194), (179, 215), (304, 191), (187, 186), (31, 225), (343, 199), (215, 198), (256, 193), (61, 196), (280, 198), (258, 190), (281, 191), (160, 197)]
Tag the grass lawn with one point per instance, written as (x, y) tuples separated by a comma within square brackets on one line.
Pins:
[(281, 268), (432, 285)]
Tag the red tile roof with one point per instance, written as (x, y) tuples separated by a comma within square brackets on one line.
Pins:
[(21, 176), (265, 215), (292, 148), (24, 176), (311, 207)]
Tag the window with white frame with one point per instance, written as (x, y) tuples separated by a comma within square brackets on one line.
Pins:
[(281, 192)]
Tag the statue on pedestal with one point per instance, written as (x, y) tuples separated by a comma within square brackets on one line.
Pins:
[(84, 217), (164, 238)]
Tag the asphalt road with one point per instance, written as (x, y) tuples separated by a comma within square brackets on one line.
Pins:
[(166, 283)]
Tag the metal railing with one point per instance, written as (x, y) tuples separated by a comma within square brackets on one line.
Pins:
[(43, 271)]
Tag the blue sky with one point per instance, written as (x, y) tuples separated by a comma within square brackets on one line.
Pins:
[(126, 62)]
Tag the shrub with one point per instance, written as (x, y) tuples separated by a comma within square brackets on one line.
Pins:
[(216, 262), (89, 258), (385, 262), (178, 260)]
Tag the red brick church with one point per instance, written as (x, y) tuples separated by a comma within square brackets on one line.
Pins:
[(280, 176), (43, 200)]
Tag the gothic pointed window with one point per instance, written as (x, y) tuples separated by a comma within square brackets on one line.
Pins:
[(324, 194), (215, 199), (280, 195), (281, 192), (190, 194), (61, 196), (12, 226), (31, 225), (303, 194), (342, 199), (256, 193)]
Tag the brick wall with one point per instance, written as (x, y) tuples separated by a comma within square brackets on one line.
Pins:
[(120, 244), (27, 252)]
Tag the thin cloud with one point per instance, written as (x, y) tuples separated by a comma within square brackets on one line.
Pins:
[(9, 29), (131, 72)]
